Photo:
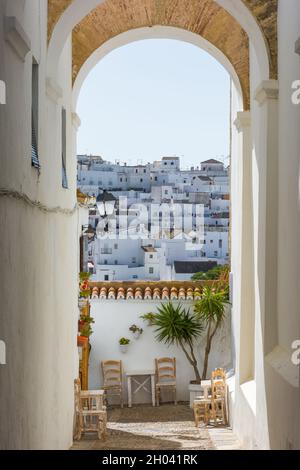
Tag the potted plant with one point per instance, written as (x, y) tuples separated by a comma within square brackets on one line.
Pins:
[(210, 310), (84, 288), (84, 276), (86, 330), (124, 343), (149, 317), (83, 321), (81, 341), (136, 331)]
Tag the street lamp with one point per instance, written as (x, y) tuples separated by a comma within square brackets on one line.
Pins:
[(106, 204)]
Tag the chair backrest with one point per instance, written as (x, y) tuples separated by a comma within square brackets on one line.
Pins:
[(218, 383), (165, 368), (111, 372), (77, 390)]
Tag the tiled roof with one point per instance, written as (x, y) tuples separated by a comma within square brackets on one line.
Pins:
[(204, 178), (170, 158), (149, 249), (212, 161), (174, 290)]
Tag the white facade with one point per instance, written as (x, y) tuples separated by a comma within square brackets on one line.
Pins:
[(162, 183)]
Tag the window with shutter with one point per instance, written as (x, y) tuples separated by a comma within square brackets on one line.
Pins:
[(64, 148), (35, 116)]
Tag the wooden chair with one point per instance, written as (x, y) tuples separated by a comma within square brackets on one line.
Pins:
[(218, 395), (112, 373), (90, 413), (202, 410), (165, 376)]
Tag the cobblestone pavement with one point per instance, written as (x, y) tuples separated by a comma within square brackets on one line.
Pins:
[(167, 427)]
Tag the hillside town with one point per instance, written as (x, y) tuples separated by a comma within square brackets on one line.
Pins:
[(165, 223)]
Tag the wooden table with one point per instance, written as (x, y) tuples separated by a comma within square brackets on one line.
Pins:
[(142, 378)]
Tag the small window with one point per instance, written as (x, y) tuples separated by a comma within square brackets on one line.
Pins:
[(141, 180), (155, 179), (134, 260), (116, 261), (115, 246), (106, 277), (151, 270), (165, 163), (64, 148), (215, 253), (135, 277), (145, 171), (151, 256), (35, 116), (211, 241), (172, 163), (105, 261), (220, 243), (121, 180)]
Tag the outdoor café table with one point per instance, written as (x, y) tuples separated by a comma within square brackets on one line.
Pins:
[(142, 378)]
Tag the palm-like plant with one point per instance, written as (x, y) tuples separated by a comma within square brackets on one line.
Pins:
[(175, 325), (210, 311)]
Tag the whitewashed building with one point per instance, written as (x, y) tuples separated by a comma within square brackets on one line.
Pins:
[(150, 191)]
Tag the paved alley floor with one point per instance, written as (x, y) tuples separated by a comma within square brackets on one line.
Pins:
[(167, 427)]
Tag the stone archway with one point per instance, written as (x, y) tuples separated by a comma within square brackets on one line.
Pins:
[(228, 27), (156, 32)]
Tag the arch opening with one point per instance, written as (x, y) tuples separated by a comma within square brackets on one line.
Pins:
[(157, 32), (241, 23)]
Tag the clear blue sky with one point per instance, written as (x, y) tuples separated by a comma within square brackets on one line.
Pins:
[(155, 98)]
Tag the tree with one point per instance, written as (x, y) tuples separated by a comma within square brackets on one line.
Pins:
[(210, 311), (212, 275), (175, 325)]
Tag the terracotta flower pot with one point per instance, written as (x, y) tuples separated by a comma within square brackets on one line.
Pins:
[(82, 341)]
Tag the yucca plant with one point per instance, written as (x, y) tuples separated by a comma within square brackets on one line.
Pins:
[(175, 325), (210, 311)]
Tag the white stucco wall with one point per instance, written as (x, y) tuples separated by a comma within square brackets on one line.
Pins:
[(112, 321), (38, 253)]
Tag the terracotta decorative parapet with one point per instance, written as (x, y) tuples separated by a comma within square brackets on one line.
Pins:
[(143, 290)]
